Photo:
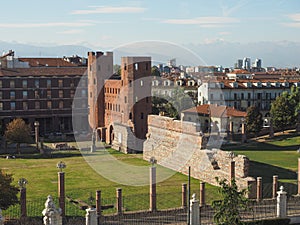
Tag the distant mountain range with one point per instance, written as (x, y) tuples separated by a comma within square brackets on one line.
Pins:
[(279, 54)]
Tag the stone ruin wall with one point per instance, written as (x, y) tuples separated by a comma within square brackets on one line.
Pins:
[(178, 145)]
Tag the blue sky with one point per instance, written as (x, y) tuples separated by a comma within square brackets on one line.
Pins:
[(113, 22)]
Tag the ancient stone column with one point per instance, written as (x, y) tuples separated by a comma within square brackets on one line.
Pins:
[(153, 188), (184, 196), (281, 203), (202, 193), (23, 202), (244, 136), (259, 189), (91, 217), (194, 211), (52, 215), (119, 201), (61, 192), (98, 202), (275, 186)]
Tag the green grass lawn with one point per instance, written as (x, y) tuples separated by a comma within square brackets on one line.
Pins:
[(82, 181), (270, 157)]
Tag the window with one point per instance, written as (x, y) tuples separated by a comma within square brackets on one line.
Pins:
[(25, 105), (48, 93), (130, 115), (49, 105), (147, 99), (60, 83), (1, 105), (258, 95), (12, 83), (249, 95), (94, 81), (91, 94), (142, 115), (37, 105), (36, 94), (61, 104), (25, 94), (242, 96), (12, 105), (48, 83), (60, 93), (0, 94), (24, 83), (249, 103), (72, 93), (12, 95), (130, 83), (37, 83), (221, 96), (125, 99), (211, 96), (0, 83), (136, 66), (235, 96)]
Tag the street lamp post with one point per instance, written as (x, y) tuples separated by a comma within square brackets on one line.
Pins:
[(153, 161), (36, 126)]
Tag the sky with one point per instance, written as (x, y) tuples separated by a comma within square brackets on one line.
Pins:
[(116, 22)]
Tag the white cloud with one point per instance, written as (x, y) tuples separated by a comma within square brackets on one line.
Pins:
[(295, 25), (73, 31), (295, 20), (295, 17), (38, 25), (108, 9), (203, 21)]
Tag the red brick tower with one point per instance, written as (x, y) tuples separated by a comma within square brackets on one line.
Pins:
[(136, 84)]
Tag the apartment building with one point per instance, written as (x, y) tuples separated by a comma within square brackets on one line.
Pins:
[(242, 93), (42, 92)]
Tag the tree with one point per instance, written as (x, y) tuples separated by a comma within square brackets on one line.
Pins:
[(172, 105), (8, 193), (254, 121), (227, 210), (17, 131), (155, 72), (283, 112)]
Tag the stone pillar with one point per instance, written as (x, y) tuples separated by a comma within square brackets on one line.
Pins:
[(298, 176), (202, 193), (259, 188), (281, 203), (98, 202), (231, 129), (184, 196), (23, 202), (275, 186), (119, 201), (153, 188), (52, 215), (1, 218), (194, 211), (91, 217), (244, 136), (61, 192), (232, 170)]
